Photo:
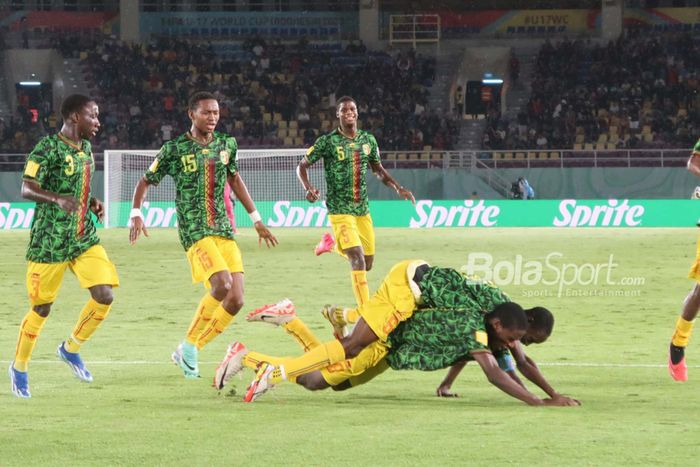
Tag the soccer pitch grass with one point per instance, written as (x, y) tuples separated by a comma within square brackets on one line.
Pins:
[(608, 349)]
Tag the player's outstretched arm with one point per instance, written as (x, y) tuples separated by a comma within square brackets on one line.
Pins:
[(444, 389), (532, 372), (389, 181), (241, 191), (136, 224), (312, 193), (694, 164), (32, 190), (502, 381)]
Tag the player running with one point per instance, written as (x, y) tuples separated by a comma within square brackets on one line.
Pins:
[(57, 175), (202, 161), (346, 153), (684, 325)]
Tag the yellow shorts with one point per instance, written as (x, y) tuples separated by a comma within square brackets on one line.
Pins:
[(392, 303), (695, 269), (92, 268), (211, 255), (368, 364), (350, 231)]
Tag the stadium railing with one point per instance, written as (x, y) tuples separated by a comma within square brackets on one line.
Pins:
[(506, 159)]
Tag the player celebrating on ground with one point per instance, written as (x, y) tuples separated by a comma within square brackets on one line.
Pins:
[(429, 340), (346, 152), (57, 176), (684, 325), (409, 284), (202, 162)]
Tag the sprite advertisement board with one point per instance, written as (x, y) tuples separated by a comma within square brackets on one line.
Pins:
[(426, 213)]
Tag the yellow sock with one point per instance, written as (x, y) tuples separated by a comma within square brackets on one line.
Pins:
[(29, 331), (359, 286), (302, 334), (201, 318), (315, 359), (254, 359), (91, 316), (682, 334), (351, 315), (220, 320)]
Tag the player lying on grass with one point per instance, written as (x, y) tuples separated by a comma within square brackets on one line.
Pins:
[(345, 376), (409, 283), (684, 325)]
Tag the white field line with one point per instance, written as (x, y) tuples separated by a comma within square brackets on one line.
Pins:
[(166, 362)]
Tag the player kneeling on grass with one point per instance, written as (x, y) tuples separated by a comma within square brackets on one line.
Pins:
[(433, 330)]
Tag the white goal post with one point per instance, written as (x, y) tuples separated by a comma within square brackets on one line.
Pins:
[(269, 174)]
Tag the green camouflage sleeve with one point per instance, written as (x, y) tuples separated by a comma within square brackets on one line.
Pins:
[(696, 149), (374, 151), (232, 147), (316, 152), (38, 161), (161, 165)]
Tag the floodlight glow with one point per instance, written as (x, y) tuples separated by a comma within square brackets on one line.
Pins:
[(30, 83), (492, 81)]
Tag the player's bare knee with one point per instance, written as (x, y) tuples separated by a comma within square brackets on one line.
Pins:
[(102, 294), (233, 303), (220, 290), (42, 310), (313, 381)]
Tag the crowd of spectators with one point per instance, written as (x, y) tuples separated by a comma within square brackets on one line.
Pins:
[(272, 94), (641, 91)]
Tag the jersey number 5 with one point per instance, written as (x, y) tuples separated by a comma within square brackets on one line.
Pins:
[(189, 164), (341, 153)]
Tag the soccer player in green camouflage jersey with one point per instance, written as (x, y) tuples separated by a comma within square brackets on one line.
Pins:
[(677, 366), (436, 315), (346, 152), (57, 177), (202, 161)]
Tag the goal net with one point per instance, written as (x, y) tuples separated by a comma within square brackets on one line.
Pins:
[(269, 174)]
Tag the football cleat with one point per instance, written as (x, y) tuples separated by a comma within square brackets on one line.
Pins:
[(20, 382), (279, 313), (261, 383), (678, 371), (75, 363), (231, 365), (336, 316), (326, 244), (185, 356)]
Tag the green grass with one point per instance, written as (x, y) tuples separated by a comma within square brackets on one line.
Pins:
[(608, 351)]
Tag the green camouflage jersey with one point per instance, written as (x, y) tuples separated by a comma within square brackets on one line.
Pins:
[(450, 324), (61, 167), (435, 339), (200, 174), (446, 288), (345, 164)]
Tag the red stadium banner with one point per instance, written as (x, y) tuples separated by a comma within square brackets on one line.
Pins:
[(61, 20)]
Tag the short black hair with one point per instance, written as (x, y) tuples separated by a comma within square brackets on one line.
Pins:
[(342, 100), (73, 103), (540, 318), (199, 96), (511, 315)]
